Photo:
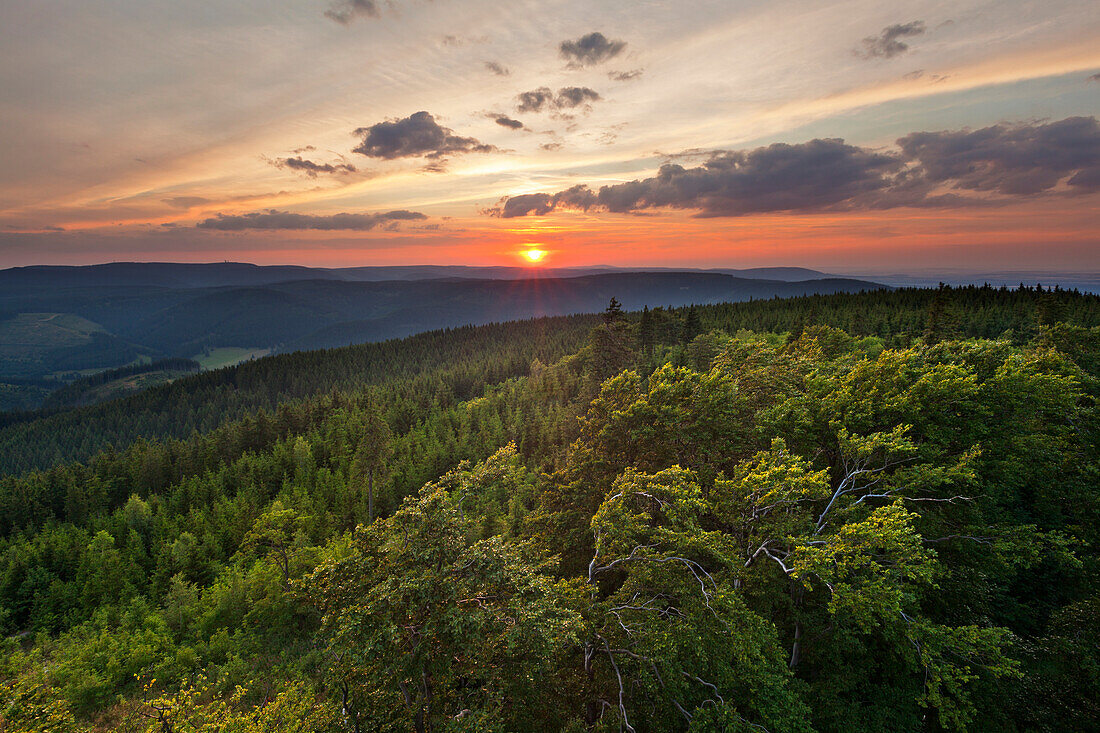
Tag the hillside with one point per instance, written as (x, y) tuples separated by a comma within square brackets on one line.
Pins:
[(761, 520), (202, 402), (126, 312), (35, 278)]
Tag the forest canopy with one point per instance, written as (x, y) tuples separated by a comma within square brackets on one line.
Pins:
[(872, 512)]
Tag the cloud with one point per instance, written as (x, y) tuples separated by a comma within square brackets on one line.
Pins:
[(506, 121), (456, 41), (312, 169), (886, 45), (590, 50), (416, 135), (929, 169), (543, 99), (274, 219), (570, 97), (1010, 159), (345, 11), (498, 69), (1095, 77), (185, 202), (524, 204), (625, 75), (535, 100)]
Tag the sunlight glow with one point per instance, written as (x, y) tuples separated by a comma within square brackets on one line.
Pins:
[(534, 255)]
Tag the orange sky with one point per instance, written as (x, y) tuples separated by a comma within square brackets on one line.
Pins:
[(128, 126)]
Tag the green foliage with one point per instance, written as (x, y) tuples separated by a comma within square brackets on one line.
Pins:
[(433, 630), (774, 524)]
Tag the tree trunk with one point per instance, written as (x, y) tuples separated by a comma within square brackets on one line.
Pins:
[(370, 496), (796, 648)]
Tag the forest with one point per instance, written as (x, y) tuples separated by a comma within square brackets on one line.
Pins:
[(61, 324), (871, 511)]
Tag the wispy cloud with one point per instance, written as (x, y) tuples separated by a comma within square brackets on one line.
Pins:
[(312, 168), (888, 44), (345, 11), (285, 220)]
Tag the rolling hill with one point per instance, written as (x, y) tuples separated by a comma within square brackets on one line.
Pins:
[(57, 321)]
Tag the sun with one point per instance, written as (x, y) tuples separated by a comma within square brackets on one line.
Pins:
[(534, 255)]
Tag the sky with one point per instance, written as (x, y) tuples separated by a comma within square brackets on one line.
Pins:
[(851, 136)]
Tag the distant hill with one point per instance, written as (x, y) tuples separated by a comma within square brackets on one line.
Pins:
[(323, 313), (228, 274), (68, 322)]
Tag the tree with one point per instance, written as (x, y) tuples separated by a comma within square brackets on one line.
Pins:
[(374, 449), (692, 325), (937, 325), (613, 312), (274, 534), (646, 331), (429, 628)]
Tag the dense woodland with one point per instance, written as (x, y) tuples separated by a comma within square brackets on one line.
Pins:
[(872, 512), (55, 321)]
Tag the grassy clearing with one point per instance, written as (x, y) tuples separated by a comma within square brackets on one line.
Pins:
[(45, 331)]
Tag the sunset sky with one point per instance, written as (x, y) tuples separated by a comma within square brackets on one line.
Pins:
[(854, 136)]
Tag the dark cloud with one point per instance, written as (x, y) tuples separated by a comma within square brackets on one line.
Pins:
[(887, 44), (535, 100), (506, 121), (313, 169), (543, 99), (570, 97), (589, 50), (416, 135), (1009, 159), (498, 69), (186, 202), (1095, 77), (539, 204), (625, 75), (780, 177), (929, 169), (345, 11), (524, 204), (273, 219)]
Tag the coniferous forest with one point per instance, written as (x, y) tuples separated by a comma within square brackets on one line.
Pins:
[(850, 512)]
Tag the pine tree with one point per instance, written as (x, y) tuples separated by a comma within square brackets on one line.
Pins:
[(935, 323), (692, 326), (374, 450), (613, 312), (646, 331)]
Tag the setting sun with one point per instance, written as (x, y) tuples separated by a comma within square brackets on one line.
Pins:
[(534, 255)]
